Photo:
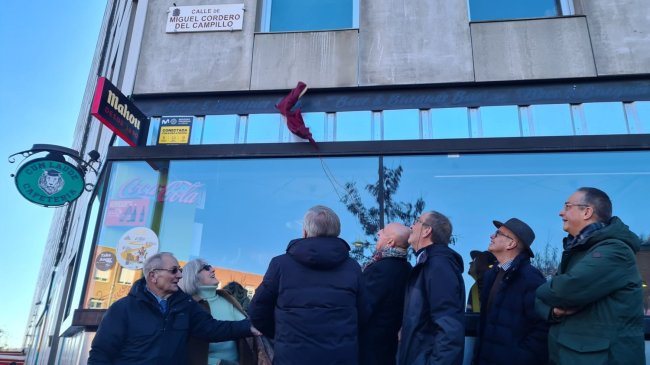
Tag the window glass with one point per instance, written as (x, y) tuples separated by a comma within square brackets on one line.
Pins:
[(640, 116), (401, 124), (552, 120), (473, 190), (450, 123), (316, 124), (263, 128), (605, 118), (219, 129), (353, 126), (500, 121), (208, 209), (307, 15), (511, 9)]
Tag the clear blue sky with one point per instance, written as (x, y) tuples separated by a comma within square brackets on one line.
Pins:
[(47, 49)]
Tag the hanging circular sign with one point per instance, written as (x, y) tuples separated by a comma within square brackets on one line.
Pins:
[(49, 181), (135, 246)]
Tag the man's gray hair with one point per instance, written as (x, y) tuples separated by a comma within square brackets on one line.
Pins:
[(154, 262), (190, 283), (440, 227), (321, 221)]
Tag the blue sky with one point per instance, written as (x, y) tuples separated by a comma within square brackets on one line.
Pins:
[(47, 49)]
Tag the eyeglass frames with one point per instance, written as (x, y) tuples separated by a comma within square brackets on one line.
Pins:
[(568, 205), (499, 233), (206, 267), (419, 221), (174, 270)]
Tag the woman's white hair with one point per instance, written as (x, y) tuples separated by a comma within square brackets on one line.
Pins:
[(189, 283)]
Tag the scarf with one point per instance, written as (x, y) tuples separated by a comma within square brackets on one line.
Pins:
[(386, 252), (584, 234)]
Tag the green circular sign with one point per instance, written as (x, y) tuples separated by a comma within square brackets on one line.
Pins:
[(49, 182)]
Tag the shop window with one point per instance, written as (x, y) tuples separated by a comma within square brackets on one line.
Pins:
[(401, 124), (264, 128), (497, 121), (450, 123), (550, 120), (219, 129), (480, 10), (353, 126), (308, 15), (601, 118), (638, 116), (209, 205)]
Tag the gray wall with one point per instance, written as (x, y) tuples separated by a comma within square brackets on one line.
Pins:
[(398, 42)]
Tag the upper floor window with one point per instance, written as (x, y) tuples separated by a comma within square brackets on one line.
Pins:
[(480, 10), (309, 15)]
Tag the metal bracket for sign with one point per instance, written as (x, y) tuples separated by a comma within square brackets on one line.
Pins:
[(57, 153)]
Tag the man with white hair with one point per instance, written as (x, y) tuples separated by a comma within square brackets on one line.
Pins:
[(151, 324), (309, 296)]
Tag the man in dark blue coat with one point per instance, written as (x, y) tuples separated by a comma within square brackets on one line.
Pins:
[(384, 280), (150, 326), (309, 298), (433, 326), (510, 331)]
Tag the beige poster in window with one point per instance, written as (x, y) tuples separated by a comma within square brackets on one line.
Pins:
[(135, 246)]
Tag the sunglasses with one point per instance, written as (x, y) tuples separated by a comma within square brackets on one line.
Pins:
[(174, 270), (206, 267)]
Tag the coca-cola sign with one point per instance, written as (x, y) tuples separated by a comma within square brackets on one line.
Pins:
[(180, 191)]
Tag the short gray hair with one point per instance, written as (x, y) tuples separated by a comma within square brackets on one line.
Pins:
[(153, 262), (189, 283), (321, 221), (440, 227)]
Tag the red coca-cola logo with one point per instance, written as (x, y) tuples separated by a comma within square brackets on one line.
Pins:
[(181, 191)]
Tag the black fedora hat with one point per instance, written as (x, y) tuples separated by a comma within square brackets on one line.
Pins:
[(521, 230)]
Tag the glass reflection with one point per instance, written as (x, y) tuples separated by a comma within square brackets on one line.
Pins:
[(450, 123), (500, 121), (511, 9), (401, 124), (552, 120), (353, 126), (605, 118), (219, 129), (264, 128)]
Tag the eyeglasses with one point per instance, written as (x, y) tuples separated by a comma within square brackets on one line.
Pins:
[(419, 221), (174, 270), (568, 205), (206, 267), (499, 233)]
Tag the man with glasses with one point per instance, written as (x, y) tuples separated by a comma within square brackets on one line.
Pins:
[(510, 332), (595, 301), (433, 325), (151, 325)]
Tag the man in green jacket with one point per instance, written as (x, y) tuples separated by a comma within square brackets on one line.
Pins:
[(595, 301)]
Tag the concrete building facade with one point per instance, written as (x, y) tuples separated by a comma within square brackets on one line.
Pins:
[(479, 120)]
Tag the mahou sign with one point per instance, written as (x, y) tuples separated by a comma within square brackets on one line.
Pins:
[(118, 113)]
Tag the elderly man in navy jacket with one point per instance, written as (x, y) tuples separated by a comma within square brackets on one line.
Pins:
[(309, 298), (510, 331), (384, 279), (150, 326), (433, 326)]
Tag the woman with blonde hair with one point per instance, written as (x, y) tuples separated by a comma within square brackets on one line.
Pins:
[(200, 282)]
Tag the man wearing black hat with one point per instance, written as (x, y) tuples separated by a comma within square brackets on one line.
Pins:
[(510, 332)]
